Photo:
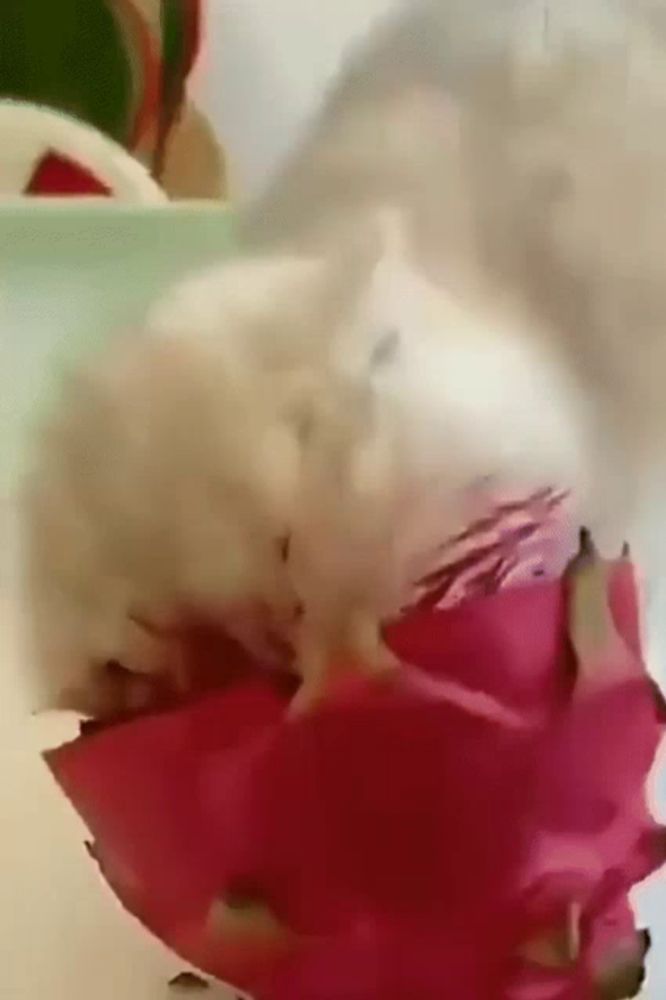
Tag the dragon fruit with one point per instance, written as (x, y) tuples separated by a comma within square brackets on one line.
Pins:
[(470, 828)]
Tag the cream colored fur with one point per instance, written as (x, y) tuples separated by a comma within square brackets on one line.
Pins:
[(460, 274)]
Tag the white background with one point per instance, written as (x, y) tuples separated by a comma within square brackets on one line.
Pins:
[(264, 68)]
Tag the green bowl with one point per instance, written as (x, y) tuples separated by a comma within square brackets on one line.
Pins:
[(72, 273)]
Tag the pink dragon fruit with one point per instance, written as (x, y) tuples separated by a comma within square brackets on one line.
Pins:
[(470, 829)]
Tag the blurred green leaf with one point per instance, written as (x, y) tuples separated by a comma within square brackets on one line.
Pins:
[(68, 54)]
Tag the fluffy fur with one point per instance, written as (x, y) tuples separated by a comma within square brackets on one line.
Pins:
[(459, 274)]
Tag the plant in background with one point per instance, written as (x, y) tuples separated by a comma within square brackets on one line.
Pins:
[(121, 66)]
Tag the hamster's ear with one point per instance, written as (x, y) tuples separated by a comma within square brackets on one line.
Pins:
[(395, 285), (392, 302)]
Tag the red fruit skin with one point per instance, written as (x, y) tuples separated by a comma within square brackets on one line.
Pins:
[(352, 807), (137, 787), (393, 962), (509, 645), (408, 837)]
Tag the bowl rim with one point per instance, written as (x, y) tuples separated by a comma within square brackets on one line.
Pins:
[(111, 206)]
